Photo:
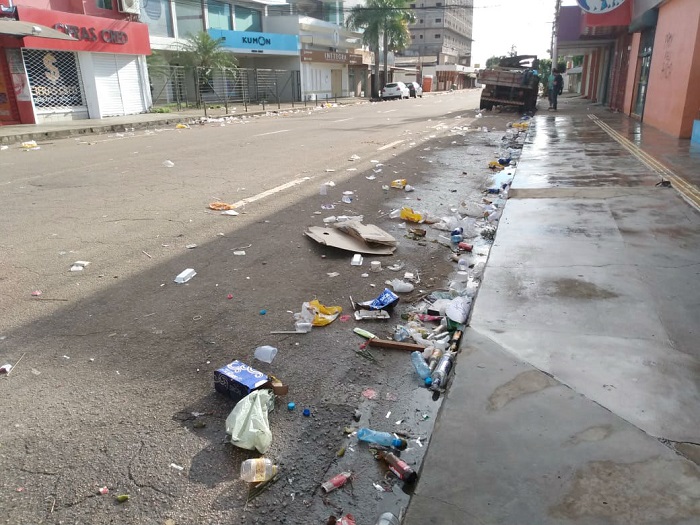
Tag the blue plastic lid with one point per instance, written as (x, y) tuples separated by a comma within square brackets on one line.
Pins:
[(307, 412), (428, 381), (396, 443), (291, 406)]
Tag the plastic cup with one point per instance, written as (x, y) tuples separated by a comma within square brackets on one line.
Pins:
[(266, 353)]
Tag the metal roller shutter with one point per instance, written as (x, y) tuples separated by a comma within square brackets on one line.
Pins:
[(118, 79)]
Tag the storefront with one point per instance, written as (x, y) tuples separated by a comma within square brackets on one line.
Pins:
[(101, 72), (326, 73)]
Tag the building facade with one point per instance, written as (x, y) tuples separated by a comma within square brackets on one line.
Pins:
[(97, 69), (642, 58)]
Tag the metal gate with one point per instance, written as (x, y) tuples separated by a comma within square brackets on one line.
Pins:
[(55, 81), (168, 85)]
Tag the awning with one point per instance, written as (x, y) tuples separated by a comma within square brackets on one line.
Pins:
[(20, 29)]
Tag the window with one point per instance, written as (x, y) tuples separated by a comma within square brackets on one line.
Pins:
[(104, 4), (219, 15), (420, 21), (156, 14), (248, 19), (437, 36), (438, 4), (413, 37), (438, 20), (189, 19), (412, 6), (420, 37)]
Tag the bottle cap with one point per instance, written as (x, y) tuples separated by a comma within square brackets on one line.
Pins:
[(291, 406), (428, 381), (307, 412)]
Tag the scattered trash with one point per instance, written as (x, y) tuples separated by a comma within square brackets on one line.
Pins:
[(239, 252), (30, 145), (306, 412), (399, 184), (5, 369), (122, 498), (265, 353), (190, 246), (442, 371), (232, 213), (181, 126), (36, 293), (371, 315), (177, 467), (336, 238), (4, 147), (318, 314), (400, 286), (257, 470), (385, 439), (387, 519), (375, 266), (399, 467), (336, 482), (220, 206), (345, 318), (237, 380), (291, 406), (79, 266), (408, 188), (103, 490), (248, 424), (185, 276), (356, 260), (168, 164), (347, 197), (332, 274), (354, 157), (369, 393), (348, 519), (263, 312)]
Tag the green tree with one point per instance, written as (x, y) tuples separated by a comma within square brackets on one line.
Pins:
[(493, 61), (203, 51), (385, 19)]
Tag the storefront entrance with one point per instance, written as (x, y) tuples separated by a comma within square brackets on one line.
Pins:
[(646, 47), (118, 79), (8, 103)]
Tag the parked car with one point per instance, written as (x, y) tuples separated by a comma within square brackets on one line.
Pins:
[(395, 90), (414, 89)]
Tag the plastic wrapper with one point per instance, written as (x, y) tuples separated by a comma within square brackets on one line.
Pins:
[(248, 424), (386, 299), (458, 309), (318, 314)]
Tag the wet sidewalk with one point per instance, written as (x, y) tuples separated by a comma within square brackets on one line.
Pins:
[(575, 398)]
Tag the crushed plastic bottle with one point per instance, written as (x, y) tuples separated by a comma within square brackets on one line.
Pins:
[(420, 365), (442, 371), (387, 519), (434, 358), (381, 438), (257, 470)]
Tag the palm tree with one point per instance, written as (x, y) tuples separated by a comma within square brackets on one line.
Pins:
[(386, 18), (203, 51)]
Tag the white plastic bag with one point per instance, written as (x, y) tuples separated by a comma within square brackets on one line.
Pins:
[(247, 423), (458, 309)]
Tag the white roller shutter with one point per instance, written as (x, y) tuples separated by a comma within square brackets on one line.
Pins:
[(118, 80), (130, 81)]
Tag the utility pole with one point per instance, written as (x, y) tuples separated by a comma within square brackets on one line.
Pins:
[(555, 35)]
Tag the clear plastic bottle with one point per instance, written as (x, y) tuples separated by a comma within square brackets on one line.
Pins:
[(387, 519), (420, 365), (258, 469), (434, 358), (442, 371), (381, 438)]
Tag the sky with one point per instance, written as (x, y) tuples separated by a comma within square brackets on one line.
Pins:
[(498, 24)]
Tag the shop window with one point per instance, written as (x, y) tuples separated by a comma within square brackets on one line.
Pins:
[(189, 19), (219, 15), (248, 19), (54, 78), (104, 4), (157, 15), (437, 36), (438, 20)]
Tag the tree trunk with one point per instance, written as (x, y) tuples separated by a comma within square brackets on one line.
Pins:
[(375, 82), (385, 51)]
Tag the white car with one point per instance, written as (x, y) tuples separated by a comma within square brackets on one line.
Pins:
[(415, 90), (395, 90)]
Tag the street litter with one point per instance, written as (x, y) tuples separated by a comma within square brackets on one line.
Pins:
[(230, 212), (168, 164), (248, 424), (5, 369), (239, 252), (185, 275), (354, 157), (336, 482), (409, 188), (265, 353), (398, 183), (79, 266), (400, 286), (348, 519), (317, 314), (121, 498), (342, 238), (372, 315), (384, 301), (220, 206), (176, 466), (368, 233), (332, 274), (369, 393), (370, 177), (103, 490), (375, 266), (237, 380), (30, 145), (257, 470), (182, 126), (347, 197), (356, 260), (190, 246)]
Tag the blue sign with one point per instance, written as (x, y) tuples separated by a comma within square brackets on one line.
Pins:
[(598, 7), (250, 42)]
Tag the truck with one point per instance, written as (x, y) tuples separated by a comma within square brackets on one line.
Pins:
[(513, 82)]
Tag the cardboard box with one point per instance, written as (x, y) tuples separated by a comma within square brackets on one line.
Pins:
[(237, 380)]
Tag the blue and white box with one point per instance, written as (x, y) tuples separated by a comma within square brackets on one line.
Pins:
[(237, 380)]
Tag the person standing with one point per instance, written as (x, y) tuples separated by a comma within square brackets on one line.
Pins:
[(556, 89), (550, 85)]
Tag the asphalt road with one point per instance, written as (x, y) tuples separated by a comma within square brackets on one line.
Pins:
[(117, 357)]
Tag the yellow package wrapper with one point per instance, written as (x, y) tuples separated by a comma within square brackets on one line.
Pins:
[(323, 315), (408, 214), (399, 183), (220, 206)]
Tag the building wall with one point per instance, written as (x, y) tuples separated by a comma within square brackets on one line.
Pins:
[(631, 75), (673, 95)]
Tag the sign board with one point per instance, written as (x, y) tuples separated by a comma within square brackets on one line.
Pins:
[(599, 7), (257, 43), (332, 57)]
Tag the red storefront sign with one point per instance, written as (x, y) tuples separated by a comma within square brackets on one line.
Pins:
[(92, 33)]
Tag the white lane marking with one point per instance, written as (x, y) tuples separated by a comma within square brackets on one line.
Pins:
[(269, 192), (271, 133), (391, 145), (388, 111), (343, 119)]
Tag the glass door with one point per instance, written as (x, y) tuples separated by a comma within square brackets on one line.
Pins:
[(646, 47)]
